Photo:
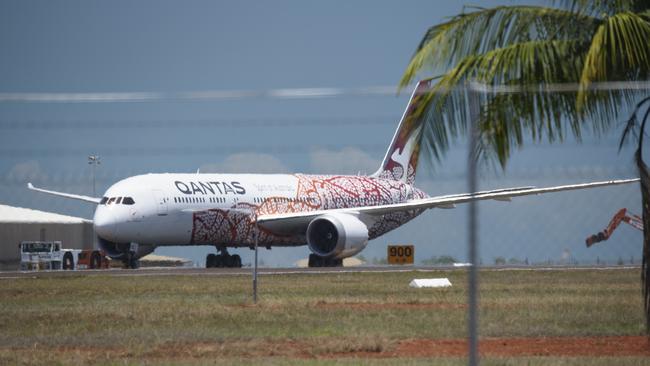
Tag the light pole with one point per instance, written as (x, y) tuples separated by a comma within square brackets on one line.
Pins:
[(94, 161)]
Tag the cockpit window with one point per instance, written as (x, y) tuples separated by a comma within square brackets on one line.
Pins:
[(103, 201), (110, 201), (119, 200), (128, 201)]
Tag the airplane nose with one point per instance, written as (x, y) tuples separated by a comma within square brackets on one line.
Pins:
[(104, 223)]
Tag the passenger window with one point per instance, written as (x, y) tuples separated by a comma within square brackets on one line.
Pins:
[(128, 201)]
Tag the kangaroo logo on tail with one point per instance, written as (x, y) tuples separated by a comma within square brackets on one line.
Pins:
[(401, 159)]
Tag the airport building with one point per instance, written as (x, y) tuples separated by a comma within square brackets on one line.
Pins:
[(22, 224)]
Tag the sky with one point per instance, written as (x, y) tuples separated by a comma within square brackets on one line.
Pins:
[(170, 86)]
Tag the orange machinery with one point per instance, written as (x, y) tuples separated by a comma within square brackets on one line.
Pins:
[(621, 216)]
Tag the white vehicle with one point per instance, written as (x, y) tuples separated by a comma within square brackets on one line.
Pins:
[(335, 215), (46, 255)]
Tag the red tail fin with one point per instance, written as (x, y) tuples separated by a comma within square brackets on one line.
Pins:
[(401, 159)]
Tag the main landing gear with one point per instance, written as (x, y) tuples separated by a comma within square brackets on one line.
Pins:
[(318, 261), (222, 260), (130, 261)]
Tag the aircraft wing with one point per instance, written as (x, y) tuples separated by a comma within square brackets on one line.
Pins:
[(298, 221), (94, 200)]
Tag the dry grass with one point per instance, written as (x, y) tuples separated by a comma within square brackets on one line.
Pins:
[(194, 319)]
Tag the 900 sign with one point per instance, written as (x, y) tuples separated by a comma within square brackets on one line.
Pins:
[(400, 254)]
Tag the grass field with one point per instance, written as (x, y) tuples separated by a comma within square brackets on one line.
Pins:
[(526, 317)]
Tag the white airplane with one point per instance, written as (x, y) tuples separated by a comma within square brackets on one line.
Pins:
[(335, 215)]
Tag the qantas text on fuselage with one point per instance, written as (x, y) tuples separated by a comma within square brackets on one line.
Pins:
[(205, 188)]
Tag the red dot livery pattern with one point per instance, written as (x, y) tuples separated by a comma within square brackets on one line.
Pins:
[(236, 226)]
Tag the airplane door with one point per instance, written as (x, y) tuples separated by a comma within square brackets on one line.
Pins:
[(161, 202)]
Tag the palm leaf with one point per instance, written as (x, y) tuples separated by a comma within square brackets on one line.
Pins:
[(446, 44), (619, 50)]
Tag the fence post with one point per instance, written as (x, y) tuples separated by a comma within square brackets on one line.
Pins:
[(472, 184)]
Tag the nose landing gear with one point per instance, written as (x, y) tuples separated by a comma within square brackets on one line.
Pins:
[(222, 260), (130, 261)]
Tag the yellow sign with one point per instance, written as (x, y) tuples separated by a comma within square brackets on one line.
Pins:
[(400, 254)]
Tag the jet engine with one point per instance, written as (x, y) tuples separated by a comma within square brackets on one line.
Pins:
[(337, 235)]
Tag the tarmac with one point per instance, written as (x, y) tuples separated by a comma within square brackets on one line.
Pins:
[(247, 271)]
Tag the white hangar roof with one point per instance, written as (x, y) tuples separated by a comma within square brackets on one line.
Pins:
[(11, 214)]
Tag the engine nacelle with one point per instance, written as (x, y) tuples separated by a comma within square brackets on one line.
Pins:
[(337, 235)]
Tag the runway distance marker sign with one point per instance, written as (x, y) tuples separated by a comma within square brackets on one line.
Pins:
[(400, 254)]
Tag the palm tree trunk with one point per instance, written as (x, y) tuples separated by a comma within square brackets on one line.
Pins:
[(644, 175)]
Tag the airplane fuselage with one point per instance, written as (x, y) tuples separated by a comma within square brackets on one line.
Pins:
[(335, 215), (220, 209)]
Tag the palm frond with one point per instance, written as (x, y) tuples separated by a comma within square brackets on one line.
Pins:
[(599, 8), (619, 51), (526, 63), (478, 32), (509, 118)]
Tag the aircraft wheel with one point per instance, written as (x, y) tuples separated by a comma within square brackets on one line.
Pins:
[(236, 261), (68, 261), (219, 261), (226, 261), (210, 261), (315, 261), (95, 260), (130, 261)]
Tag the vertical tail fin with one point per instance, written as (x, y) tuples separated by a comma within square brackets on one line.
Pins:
[(401, 159)]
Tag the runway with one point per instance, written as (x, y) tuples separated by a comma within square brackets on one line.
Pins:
[(224, 272)]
